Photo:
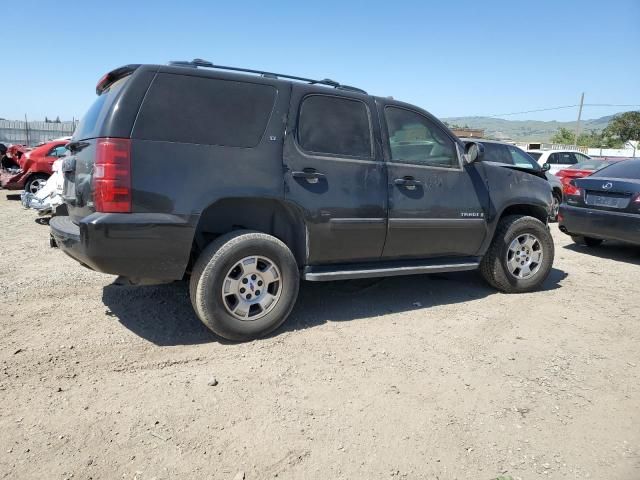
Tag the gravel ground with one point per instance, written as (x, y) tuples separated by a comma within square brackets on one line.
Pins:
[(416, 377)]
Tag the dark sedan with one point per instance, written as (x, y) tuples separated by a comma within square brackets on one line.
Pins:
[(604, 206)]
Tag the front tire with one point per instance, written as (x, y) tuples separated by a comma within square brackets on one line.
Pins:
[(520, 256), (244, 285)]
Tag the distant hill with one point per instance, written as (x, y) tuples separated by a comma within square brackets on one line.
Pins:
[(533, 130)]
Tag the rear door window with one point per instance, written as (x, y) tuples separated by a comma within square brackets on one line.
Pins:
[(335, 126), (566, 158), (207, 111)]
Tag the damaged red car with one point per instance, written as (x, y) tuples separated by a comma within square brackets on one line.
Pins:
[(30, 170)]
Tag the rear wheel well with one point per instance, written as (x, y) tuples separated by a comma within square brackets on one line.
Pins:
[(528, 210), (260, 214)]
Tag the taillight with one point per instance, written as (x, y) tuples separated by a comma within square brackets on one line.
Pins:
[(112, 175), (571, 189), (102, 83)]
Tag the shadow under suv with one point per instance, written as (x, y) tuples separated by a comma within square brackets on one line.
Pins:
[(247, 181)]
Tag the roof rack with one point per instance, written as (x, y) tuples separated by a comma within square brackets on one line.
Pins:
[(198, 62)]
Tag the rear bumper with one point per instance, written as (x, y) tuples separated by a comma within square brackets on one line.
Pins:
[(139, 246), (602, 224)]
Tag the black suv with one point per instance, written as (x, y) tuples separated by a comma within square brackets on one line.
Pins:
[(246, 181)]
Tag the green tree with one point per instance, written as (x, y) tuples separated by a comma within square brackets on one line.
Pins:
[(593, 139), (564, 136), (624, 127)]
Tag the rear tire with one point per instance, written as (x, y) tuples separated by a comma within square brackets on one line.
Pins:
[(268, 294), (592, 242), (518, 238), (588, 241)]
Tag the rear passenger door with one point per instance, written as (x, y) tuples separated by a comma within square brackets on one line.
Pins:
[(334, 174)]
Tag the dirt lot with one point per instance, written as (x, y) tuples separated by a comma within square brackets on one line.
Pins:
[(416, 377)]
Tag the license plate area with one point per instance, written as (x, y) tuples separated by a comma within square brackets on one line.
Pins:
[(607, 201)]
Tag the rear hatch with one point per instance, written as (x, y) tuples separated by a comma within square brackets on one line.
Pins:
[(111, 116)]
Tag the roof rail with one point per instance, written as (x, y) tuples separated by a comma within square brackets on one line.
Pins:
[(198, 62)]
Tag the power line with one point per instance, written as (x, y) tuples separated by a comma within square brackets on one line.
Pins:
[(560, 108)]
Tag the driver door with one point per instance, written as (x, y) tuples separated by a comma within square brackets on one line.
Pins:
[(436, 203)]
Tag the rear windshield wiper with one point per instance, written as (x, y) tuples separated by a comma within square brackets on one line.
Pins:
[(76, 146)]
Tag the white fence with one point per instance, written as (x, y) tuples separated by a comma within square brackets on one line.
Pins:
[(34, 133)]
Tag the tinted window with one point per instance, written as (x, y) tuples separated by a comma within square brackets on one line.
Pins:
[(624, 169), (414, 138), (521, 159), (582, 158), (494, 152), (565, 158), (185, 109), (337, 126), (535, 155), (57, 151), (92, 120)]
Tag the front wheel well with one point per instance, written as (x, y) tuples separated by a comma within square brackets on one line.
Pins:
[(525, 209)]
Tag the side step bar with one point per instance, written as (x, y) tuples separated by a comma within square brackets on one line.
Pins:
[(388, 269)]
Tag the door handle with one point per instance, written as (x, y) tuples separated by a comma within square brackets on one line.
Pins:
[(409, 183), (311, 175)]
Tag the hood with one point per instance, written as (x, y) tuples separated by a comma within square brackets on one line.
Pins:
[(532, 171)]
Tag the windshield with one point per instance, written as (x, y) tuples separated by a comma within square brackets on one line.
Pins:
[(92, 120), (624, 169), (535, 155)]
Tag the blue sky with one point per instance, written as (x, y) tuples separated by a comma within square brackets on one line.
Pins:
[(452, 58)]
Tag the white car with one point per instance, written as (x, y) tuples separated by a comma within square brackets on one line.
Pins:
[(558, 159), (49, 197)]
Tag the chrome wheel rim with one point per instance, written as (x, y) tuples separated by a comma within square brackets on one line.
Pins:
[(524, 256), (36, 185), (251, 288)]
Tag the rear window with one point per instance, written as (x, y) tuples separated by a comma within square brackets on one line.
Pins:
[(93, 119), (336, 126), (624, 169), (590, 165), (186, 109)]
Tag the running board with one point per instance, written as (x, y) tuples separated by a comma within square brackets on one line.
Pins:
[(388, 269)]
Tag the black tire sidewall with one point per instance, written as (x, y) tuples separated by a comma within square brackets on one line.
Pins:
[(539, 230), (211, 308)]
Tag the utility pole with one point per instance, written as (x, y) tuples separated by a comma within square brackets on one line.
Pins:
[(26, 128), (579, 115)]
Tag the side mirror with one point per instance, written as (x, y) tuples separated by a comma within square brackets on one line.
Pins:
[(474, 152), (546, 167)]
